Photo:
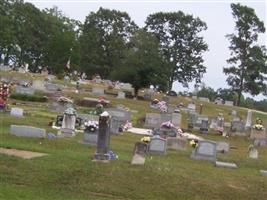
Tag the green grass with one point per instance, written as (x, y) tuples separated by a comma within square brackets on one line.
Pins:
[(68, 172)]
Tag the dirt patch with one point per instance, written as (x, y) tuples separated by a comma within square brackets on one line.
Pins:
[(21, 153)]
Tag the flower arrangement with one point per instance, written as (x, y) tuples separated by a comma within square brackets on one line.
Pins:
[(258, 126), (162, 106), (145, 139), (167, 124), (92, 126), (98, 110), (127, 126)]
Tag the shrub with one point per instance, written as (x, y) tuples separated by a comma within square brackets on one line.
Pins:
[(28, 97)]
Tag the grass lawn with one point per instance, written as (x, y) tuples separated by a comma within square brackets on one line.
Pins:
[(68, 172)]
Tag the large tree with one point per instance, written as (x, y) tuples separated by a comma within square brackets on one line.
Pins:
[(141, 66), (105, 34), (180, 44), (248, 59)]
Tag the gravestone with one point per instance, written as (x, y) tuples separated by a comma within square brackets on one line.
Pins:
[(88, 117), (165, 132), (90, 136), (121, 95), (27, 131), (148, 94), (24, 90), (225, 165), (54, 87), (213, 124), (176, 119), (153, 120), (103, 139), (260, 142), (204, 99), (263, 172), (38, 85), (257, 134), (253, 153), (249, 120), (157, 145), (222, 147), (229, 103), (120, 114), (139, 153), (165, 117), (116, 125), (202, 124), (68, 123), (97, 91), (5, 68), (205, 150), (176, 143), (193, 116), (233, 113), (237, 128), (16, 112), (191, 107)]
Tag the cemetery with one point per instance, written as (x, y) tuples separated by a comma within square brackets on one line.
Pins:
[(88, 134), (108, 108)]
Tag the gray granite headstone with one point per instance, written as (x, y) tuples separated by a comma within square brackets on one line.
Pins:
[(153, 120), (176, 143), (24, 90), (54, 87), (176, 119), (16, 112), (120, 114), (90, 137), (116, 125), (222, 147), (249, 120), (121, 95), (157, 145), (205, 150), (253, 153), (27, 131), (237, 127), (98, 91), (191, 106), (229, 103)]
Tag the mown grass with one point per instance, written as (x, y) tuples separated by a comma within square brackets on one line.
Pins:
[(68, 172)]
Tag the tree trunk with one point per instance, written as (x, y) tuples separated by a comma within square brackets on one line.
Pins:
[(239, 94), (136, 92)]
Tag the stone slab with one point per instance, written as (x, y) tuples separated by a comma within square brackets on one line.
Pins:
[(27, 131), (225, 165)]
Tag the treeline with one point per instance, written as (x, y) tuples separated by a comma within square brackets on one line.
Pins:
[(109, 43), (168, 48), (230, 95)]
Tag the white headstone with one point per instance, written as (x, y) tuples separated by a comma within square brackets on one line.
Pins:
[(121, 95), (249, 119), (16, 112)]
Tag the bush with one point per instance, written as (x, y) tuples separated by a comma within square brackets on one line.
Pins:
[(28, 97)]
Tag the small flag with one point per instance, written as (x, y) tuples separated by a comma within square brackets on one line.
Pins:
[(68, 64)]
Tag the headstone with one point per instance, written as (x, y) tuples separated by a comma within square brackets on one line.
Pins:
[(191, 106), (165, 132), (194, 97), (225, 165), (233, 113), (103, 139), (38, 85), (260, 142), (90, 136), (97, 91), (193, 116), (263, 172), (205, 150), (157, 145), (176, 119), (176, 143), (116, 125), (24, 90), (148, 94), (222, 147), (16, 112), (165, 117), (249, 119), (139, 153), (68, 124), (202, 124), (27, 131), (120, 114), (229, 103), (257, 134), (121, 95), (253, 153), (88, 117), (218, 101), (213, 124), (54, 87), (153, 120), (237, 128), (204, 99)]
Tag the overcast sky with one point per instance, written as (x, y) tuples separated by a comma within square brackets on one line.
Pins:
[(217, 15)]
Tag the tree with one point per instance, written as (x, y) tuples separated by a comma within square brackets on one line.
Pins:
[(248, 60), (227, 94), (141, 66), (180, 45), (207, 92), (104, 37)]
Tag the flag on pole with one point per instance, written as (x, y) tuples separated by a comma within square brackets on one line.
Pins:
[(68, 64)]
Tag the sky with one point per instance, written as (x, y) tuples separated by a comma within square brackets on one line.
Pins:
[(216, 13)]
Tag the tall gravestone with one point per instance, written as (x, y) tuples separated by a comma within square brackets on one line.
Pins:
[(102, 147), (249, 120), (68, 123)]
